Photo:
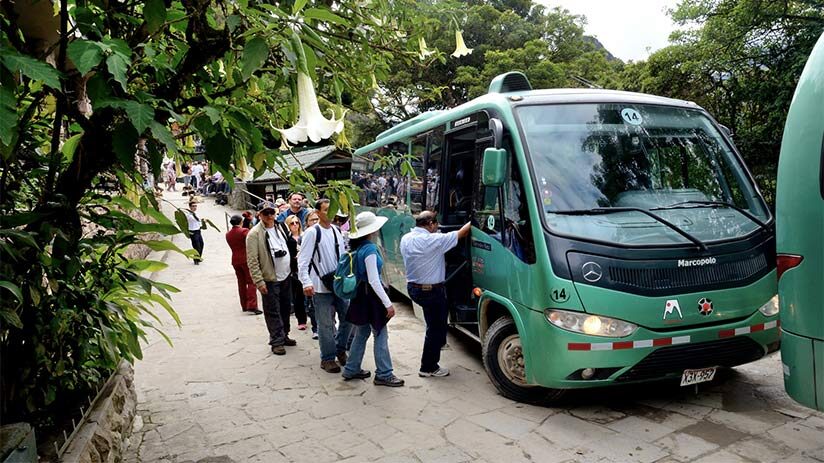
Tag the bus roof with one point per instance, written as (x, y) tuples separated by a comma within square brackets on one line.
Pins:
[(431, 119)]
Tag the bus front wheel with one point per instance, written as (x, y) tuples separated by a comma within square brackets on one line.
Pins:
[(504, 363)]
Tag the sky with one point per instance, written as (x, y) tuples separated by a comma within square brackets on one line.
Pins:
[(625, 27)]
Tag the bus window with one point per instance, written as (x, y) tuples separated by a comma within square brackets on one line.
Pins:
[(512, 229), (517, 230), (459, 177), (433, 168), (414, 184)]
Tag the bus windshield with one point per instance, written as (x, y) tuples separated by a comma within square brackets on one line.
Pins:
[(600, 168)]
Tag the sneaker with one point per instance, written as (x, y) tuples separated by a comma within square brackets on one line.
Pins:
[(439, 373), (289, 342), (302, 326), (342, 358), (278, 350), (392, 381), (330, 366), (363, 374), (314, 335)]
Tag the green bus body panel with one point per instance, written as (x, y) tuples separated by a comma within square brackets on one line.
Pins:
[(799, 205), (799, 228), (728, 304), (803, 363)]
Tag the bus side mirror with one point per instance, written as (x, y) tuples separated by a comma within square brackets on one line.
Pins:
[(494, 168)]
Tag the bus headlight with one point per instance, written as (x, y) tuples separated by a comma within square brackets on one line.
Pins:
[(771, 307), (593, 325)]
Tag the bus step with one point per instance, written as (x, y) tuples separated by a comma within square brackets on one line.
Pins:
[(466, 314)]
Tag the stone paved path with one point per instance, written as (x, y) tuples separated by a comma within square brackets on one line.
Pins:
[(220, 396)]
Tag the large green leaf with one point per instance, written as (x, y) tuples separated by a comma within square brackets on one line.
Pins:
[(70, 146), (161, 245), (298, 5), (220, 150), (182, 222), (8, 115), (325, 15), (12, 288), (32, 68), (163, 135), (255, 54), (124, 142), (144, 265), (141, 115), (117, 66), (84, 54), (155, 13)]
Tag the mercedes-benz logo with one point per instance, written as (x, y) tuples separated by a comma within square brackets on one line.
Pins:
[(592, 272)]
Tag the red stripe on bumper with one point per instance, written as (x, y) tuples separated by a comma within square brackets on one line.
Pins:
[(622, 345), (759, 327), (726, 333), (579, 346), (662, 342)]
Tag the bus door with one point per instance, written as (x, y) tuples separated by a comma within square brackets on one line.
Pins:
[(462, 151)]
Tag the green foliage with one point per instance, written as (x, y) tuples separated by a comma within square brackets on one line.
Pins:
[(149, 74), (741, 60)]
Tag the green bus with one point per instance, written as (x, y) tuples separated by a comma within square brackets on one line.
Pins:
[(617, 237), (800, 221)]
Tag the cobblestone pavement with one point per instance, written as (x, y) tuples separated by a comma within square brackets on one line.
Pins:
[(220, 396)]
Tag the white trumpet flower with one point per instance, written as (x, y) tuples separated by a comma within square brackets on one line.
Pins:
[(425, 52), (460, 46), (311, 124)]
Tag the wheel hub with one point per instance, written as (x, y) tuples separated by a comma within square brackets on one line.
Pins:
[(511, 359)]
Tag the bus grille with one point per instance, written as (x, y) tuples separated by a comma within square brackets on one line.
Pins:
[(673, 278), (674, 360)]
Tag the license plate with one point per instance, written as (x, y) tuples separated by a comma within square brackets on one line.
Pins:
[(698, 376)]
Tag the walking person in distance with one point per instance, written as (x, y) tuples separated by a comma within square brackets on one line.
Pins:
[(195, 224)]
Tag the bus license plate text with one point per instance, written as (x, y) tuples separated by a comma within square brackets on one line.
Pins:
[(697, 376)]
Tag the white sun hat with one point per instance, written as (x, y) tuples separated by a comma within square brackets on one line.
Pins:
[(367, 223)]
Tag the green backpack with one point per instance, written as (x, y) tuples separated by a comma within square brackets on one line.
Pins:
[(346, 282)]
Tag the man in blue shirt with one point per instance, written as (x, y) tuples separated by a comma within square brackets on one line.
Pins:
[(295, 208), (423, 251)]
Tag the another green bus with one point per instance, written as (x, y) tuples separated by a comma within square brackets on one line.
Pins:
[(800, 221), (617, 237)]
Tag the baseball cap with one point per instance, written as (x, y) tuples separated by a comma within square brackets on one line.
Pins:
[(280, 202), (266, 205)]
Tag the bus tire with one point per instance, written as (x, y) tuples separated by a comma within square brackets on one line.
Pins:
[(504, 364)]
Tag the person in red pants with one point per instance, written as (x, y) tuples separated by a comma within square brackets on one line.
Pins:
[(236, 238)]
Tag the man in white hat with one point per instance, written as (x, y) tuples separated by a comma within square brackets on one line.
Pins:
[(423, 251)]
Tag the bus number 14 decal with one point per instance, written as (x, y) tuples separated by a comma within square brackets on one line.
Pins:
[(559, 295)]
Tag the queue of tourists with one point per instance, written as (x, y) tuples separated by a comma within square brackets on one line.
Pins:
[(289, 253)]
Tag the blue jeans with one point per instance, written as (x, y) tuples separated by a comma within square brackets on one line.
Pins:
[(332, 341), (435, 314), (383, 362)]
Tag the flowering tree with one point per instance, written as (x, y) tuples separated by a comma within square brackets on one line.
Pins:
[(83, 83)]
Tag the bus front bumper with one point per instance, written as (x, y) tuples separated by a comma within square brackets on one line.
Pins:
[(565, 360)]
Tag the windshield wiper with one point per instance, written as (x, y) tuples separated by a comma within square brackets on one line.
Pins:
[(743, 212), (610, 210)]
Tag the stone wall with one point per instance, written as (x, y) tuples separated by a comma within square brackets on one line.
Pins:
[(237, 197), (104, 436)]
